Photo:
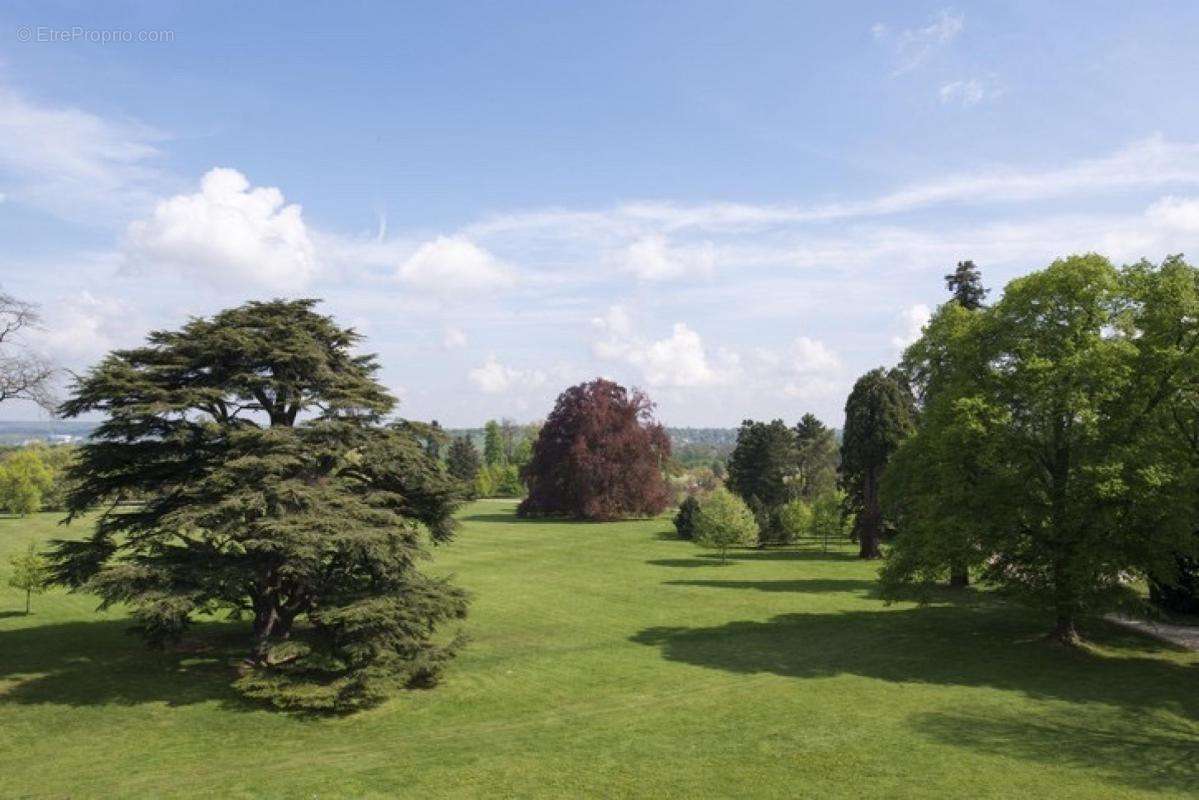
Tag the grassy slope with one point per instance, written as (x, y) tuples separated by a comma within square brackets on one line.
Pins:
[(611, 660)]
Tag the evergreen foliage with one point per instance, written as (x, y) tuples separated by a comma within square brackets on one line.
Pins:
[(966, 285), (493, 444), (760, 471), (879, 414), (684, 520), (270, 489), (816, 458), (462, 461)]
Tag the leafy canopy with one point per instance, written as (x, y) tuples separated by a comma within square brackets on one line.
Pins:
[(600, 456), (724, 521), (1050, 451)]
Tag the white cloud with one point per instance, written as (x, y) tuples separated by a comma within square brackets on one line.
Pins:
[(679, 360), (913, 46), (969, 92), (652, 258), (227, 234), (83, 327), (911, 323), (811, 355), (495, 378), (1181, 213), (1143, 164), (452, 263), (453, 338), (74, 163)]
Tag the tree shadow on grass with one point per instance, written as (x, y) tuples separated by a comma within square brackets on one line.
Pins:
[(709, 559), (100, 663), (1142, 750), (10, 614), (1151, 699), (806, 585)]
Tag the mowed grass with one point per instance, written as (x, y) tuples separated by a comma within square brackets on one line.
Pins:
[(611, 660)]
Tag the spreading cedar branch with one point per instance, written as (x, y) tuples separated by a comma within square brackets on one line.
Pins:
[(244, 468)]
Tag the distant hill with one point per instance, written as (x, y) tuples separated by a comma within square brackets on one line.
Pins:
[(715, 442), (49, 430)]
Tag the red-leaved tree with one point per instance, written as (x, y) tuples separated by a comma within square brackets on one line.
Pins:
[(599, 456)]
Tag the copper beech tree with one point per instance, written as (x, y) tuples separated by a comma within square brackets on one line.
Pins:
[(599, 456)]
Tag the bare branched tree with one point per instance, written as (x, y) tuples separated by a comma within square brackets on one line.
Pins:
[(23, 373)]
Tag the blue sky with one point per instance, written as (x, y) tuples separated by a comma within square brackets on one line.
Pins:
[(736, 206)]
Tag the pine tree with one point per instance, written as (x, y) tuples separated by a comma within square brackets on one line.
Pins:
[(966, 284), (462, 460), (493, 444), (815, 457), (760, 470), (271, 489)]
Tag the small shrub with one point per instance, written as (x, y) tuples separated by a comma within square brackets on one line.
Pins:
[(684, 520), (725, 521), (795, 520)]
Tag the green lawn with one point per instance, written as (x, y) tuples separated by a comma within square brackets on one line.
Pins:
[(612, 660)]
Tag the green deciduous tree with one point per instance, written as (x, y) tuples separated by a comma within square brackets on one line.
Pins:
[(1065, 407), (24, 481), (795, 519), (270, 490), (829, 522), (30, 573), (724, 521), (879, 414)]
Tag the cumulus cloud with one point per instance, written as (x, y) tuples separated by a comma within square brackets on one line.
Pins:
[(652, 258), (452, 264), (1181, 213), (227, 234), (453, 338), (495, 378), (911, 324), (83, 327), (679, 360), (813, 356), (810, 370), (913, 46)]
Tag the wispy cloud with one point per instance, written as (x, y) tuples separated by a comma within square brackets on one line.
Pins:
[(969, 92), (74, 163), (913, 46)]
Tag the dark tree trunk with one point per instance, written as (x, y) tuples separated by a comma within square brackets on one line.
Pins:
[(871, 529), (266, 621), (1064, 631), (959, 576)]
